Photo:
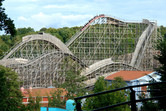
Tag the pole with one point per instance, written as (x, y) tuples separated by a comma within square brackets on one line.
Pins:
[(133, 100), (78, 105)]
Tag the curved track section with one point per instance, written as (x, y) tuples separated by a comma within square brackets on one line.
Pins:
[(90, 21), (24, 62), (43, 42), (103, 63), (111, 20), (10, 61), (103, 68)]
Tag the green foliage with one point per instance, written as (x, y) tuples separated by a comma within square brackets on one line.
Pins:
[(34, 104), (23, 31), (161, 57), (43, 29), (73, 80), (73, 84), (31, 104), (6, 23), (4, 47), (101, 85), (10, 95), (38, 105), (64, 34), (6, 41), (150, 105), (109, 98), (1, 54), (56, 100), (162, 30)]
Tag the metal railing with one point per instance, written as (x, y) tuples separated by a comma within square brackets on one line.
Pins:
[(132, 101)]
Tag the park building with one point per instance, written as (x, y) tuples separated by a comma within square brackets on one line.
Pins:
[(136, 78), (43, 93)]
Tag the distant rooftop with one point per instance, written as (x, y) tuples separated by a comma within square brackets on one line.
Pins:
[(43, 92), (128, 75)]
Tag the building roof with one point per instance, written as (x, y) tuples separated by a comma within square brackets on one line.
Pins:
[(128, 75), (42, 92)]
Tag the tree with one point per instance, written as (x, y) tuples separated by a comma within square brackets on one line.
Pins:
[(43, 29), (4, 47), (72, 80), (57, 100), (109, 98), (161, 57), (150, 105), (66, 33), (10, 95), (34, 103), (1, 54), (54, 32), (23, 31), (162, 30), (6, 23)]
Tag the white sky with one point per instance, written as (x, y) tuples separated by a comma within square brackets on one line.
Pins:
[(68, 13)]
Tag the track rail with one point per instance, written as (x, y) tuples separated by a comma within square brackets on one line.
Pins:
[(46, 37), (74, 37), (141, 45)]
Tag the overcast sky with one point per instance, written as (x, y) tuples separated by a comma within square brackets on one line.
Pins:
[(68, 13)]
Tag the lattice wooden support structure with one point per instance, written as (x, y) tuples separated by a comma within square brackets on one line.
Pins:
[(102, 46)]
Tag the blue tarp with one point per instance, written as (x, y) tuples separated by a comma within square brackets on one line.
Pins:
[(52, 109), (69, 107)]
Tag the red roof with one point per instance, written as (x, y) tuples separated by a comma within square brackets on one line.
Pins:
[(128, 75), (42, 92)]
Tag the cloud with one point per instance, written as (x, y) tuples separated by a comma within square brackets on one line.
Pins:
[(100, 0), (59, 6), (22, 18), (29, 0), (56, 20), (61, 13), (68, 8), (23, 1)]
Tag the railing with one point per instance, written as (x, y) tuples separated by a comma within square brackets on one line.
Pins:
[(132, 101)]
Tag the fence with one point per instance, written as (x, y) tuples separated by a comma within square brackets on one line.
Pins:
[(132, 101)]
